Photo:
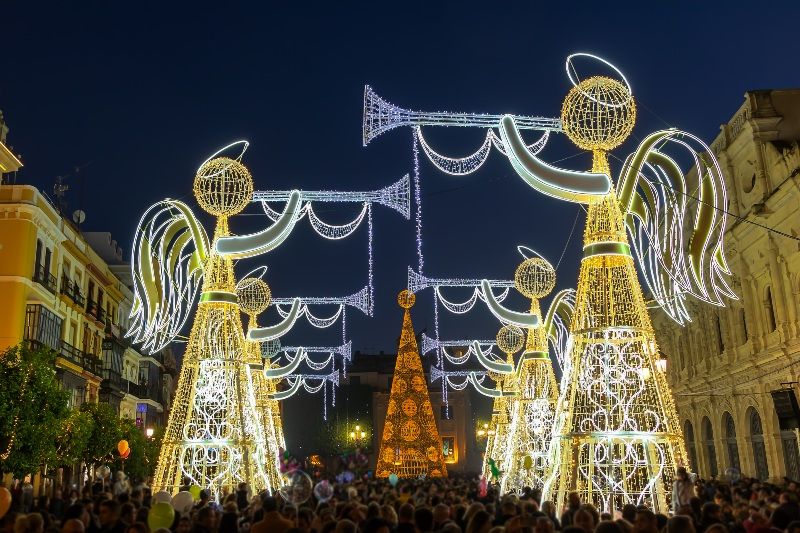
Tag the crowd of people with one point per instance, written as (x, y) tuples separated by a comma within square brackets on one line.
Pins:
[(454, 505)]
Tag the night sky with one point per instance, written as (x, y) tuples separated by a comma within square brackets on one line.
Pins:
[(138, 94)]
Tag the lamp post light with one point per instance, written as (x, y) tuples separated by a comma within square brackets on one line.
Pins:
[(149, 432), (358, 435), (485, 431)]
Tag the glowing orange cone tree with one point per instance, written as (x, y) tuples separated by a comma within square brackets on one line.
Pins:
[(410, 445)]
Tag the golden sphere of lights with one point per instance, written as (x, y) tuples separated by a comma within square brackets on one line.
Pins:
[(223, 186), (535, 277), (406, 299), (254, 295), (510, 338), (598, 113)]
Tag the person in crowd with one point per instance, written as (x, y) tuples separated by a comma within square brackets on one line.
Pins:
[(109, 515)]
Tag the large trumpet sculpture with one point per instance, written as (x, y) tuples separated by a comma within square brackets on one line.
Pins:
[(617, 438)]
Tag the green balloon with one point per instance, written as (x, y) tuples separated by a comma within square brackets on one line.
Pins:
[(161, 515), (195, 491)]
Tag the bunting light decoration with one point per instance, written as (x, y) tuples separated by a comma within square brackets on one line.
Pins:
[(618, 438)]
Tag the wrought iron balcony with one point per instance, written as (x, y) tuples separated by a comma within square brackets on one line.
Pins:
[(72, 290), (45, 279), (95, 310)]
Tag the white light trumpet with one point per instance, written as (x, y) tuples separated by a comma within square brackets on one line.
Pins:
[(417, 282), (381, 116), (360, 300), (396, 196)]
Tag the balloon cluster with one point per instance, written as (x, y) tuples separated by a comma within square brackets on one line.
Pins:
[(288, 461)]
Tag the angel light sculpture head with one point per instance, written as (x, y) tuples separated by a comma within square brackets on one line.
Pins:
[(598, 113), (254, 295), (223, 186), (535, 278)]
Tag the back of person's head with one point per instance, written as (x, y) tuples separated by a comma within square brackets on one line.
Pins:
[(73, 525), (389, 514), (29, 523), (680, 524), (607, 526), (629, 512), (205, 514), (376, 525), (793, 527), (138, 527), (269, 504), (73, 511), (406, 513), (574, 499), (573, 529), (423, 519), (716, 528), (710, 509), (373, 510), (478, 521), (345, 526)]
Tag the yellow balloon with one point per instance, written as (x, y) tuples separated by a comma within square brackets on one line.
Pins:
[(5, 501), (161, 515), (527, 462)]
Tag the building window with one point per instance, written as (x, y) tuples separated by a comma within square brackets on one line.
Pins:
[(688, 434), (389, 381), (355, 380), (757, 441), (42, 326), (730, 441), (711, 451), (446, 412), (770, 309)]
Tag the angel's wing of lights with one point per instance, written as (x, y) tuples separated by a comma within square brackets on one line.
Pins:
[(557, 321), (170, 249), (676, 221)]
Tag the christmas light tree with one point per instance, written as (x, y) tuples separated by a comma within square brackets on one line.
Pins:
[(410, 446)]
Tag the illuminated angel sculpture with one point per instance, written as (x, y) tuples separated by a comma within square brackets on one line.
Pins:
[(224, 427), (215, 435), (617, 439)]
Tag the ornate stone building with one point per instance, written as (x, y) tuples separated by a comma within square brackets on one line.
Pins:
[(724, 365)]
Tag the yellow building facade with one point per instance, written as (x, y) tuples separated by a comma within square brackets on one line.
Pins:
[(58, 292), (725, 364)]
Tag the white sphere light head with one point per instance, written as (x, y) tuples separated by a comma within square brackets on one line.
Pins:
[(223, 186), (535, 277), (510, 339), (254, 295)]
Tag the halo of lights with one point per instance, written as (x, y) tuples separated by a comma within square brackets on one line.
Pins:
[(223, 186), (535, 278), (510, 339), (598, 113), (254, 295)]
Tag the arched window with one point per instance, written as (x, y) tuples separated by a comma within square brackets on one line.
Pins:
[(708, 443), (730, 441), (791, 460), (688, 434), (770, 310), (757, 441)]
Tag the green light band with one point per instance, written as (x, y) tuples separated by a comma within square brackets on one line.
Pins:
[(535, 355), (606, 248), (219, 297)]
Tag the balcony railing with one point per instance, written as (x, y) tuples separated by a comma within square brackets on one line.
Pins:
[(94, 309), (45, 279), (114, 380), (87, 362), (72, 291)]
